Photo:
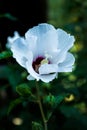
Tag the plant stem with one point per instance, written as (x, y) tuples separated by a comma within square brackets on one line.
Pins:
[(40, 106)]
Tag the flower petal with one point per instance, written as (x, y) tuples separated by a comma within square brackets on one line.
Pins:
[(65, 40), (10, 40), (39, 30), (31, 70), (58, 57), (48, 78), (66, 65), (65, 69), (48, 68), (20, 51), (19, 45), (31, 43), (48, 42), (46, 36)]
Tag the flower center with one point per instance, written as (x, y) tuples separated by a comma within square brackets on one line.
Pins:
[(38, 62)]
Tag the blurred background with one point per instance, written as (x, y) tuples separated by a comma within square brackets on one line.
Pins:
[(19, 15)]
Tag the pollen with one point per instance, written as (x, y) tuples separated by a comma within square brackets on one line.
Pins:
[(44, 61)]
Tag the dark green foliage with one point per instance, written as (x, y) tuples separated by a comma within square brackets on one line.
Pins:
[(14, 104), (23, 90), (9, 16), (36, 126), (5, 54)]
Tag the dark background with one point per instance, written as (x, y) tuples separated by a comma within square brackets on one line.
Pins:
[(25, 14)]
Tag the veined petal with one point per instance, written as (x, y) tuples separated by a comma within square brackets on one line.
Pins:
[(48, 68), (65, 41), (48, 78)]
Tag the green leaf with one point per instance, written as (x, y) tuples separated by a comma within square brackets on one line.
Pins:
[(59, 99), (5, 54), (14, 103), (23, 90), (36, 126), (9, 16), (54, 102), (49, 99)]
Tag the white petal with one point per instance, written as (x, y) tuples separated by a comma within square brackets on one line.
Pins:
[(48, 78), (46, 35), (48, 42), (31, 70), (65, 40), (69, 60), (31, 42), (10, 40), (67, 64), (39, 30), (48, 68), (19, 45), (65, 69), (58, 57), (20, 51)]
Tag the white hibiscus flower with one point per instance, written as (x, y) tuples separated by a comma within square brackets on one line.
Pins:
[(43, 52)]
